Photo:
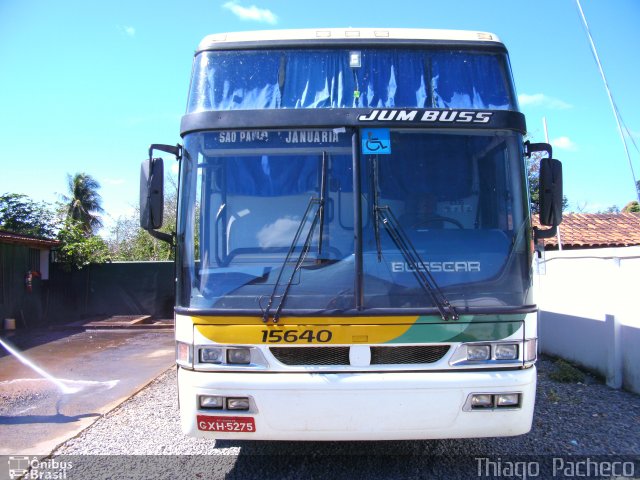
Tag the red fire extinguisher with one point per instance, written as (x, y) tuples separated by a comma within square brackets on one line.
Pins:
[(28, 281)]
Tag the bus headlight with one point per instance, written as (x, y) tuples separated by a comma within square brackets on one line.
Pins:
[(238, 403), (506, 351), (229, 357), (239, 356), (508, 400), (478, 352), (481, 400), (211, 355), (493, 354), (211, 401), (493, 401)]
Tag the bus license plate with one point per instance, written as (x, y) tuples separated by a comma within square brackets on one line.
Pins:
[(209, 423)]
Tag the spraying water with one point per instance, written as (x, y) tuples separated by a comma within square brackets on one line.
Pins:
[(66, 389)]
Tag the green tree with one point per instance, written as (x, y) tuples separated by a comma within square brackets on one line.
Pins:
[(128, 242), (77, 249), (84, 203), (533, 178), (632, 207), (19, 214), (79, 246), (612, 209)]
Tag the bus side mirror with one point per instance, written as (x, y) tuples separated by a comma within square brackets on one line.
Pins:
[(550, 192), (151, 193)]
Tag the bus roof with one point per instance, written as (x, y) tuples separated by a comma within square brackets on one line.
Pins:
[(266, 38)]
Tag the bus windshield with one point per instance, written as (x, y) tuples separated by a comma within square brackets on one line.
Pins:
[(350, 78), (273, 218)]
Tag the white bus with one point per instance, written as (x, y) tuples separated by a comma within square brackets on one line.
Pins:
[(354, 241)]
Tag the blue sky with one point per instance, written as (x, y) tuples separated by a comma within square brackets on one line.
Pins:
[(86, 86)]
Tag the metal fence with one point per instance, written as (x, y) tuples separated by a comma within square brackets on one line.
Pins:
[(23, 304), (119, 288)]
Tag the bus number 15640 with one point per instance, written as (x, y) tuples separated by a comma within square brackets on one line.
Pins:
[(296, 336)]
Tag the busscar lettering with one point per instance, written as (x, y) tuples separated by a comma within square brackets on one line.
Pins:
[(427, 116), (438, 267)]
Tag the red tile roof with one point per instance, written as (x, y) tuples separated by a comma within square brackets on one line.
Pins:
[(27, 240), (596, 230)]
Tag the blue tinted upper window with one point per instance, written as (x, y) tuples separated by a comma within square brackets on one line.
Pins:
[(279, 79)]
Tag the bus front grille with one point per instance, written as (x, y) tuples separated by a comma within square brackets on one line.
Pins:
[(411, 354), (311, 355)]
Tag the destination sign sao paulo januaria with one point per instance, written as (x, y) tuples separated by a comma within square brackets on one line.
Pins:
[(278, 139)]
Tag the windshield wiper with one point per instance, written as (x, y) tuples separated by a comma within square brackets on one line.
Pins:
[(318, 218), (411, 256), (376, 206)]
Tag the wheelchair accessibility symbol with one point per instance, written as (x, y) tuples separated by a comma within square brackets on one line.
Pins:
[(376, 141)]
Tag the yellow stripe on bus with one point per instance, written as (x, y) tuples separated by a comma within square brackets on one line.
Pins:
[(301, 334)]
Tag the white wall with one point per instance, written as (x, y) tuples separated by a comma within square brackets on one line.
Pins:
[(577, 290), (44, 264)]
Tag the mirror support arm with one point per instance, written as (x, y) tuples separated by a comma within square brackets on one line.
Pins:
[(548, 233), (530, 148), (173, 150), (165, 237)]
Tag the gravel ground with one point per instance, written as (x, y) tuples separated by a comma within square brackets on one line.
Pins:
[(579, 418)]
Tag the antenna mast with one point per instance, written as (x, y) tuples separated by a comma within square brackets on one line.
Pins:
[(606, 86)]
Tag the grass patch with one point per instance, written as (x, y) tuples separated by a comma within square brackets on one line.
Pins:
[(564, 372), (553, 395)]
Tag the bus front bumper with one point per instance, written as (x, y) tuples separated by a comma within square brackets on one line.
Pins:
[(355, 406)]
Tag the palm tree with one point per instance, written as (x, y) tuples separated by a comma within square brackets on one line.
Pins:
[(84, 203)]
